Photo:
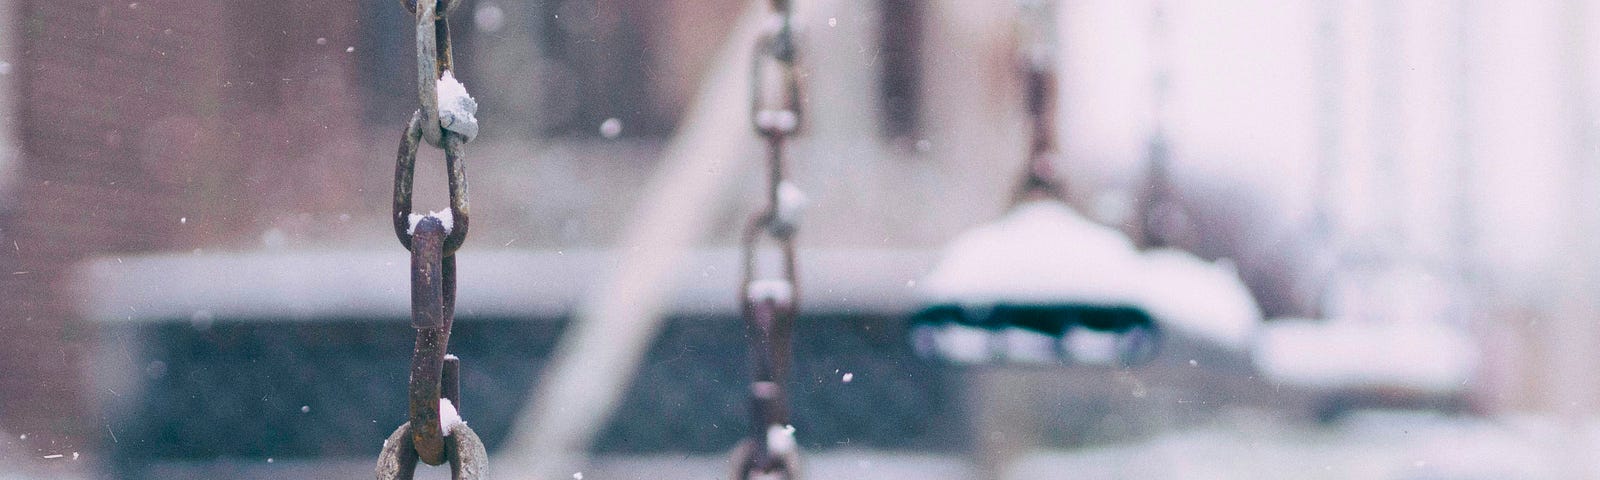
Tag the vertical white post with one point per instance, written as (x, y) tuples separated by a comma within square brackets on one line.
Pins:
[(612, 329)]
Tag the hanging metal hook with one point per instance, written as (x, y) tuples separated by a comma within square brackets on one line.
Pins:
[(751, 460), (432, 306), (463, 449), (469, 460)]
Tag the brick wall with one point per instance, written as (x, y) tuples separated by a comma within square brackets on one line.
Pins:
[(150, 126)]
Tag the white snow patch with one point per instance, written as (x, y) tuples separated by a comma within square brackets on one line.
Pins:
[(1040, 252), (1368, 444), (457, 107), (780, 439), (1199, 297), (1424, 355), (1028, 346), (776, 289), (1091, 346), (444, 216), (781, 120), (961, 343), (449, 418), (792, 204)]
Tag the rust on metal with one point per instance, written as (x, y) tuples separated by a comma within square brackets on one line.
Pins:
[(433, 338), (769, 316), (435, 374), (469, 460)]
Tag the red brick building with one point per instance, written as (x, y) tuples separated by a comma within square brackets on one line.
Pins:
[(156, 125)]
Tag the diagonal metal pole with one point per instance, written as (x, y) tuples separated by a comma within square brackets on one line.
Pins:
[(613, 327)]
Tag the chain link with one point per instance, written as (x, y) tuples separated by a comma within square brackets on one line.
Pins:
[(433, 240), (411, 5), (769, 305)]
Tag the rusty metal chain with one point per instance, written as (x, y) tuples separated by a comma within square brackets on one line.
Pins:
[(1038, 51), (434, 434), (411, 5), (769, 304)]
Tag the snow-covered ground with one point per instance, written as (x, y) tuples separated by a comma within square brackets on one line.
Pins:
[(1426, 356), (1376, 445), (835, 464), (1366, 445), (1391, 327), (1202, 298)]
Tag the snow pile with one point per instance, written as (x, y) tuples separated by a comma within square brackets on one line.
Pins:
[(969, 345), (792, 203), (1028, 346), (1043, 252), (1424, 355), (449, 418), (456, 107), (1199, 297), (777, 290), (1092, 347), (780, 439), (1040, 252), (781, 121), (953, 342), (1368, 445), (445, 217)]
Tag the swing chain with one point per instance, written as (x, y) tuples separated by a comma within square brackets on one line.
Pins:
[(775, 102), (411, 5), (433, 390), (769, 305), (1037, 41)]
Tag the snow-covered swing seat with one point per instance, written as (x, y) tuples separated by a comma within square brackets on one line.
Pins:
[(1044, 283)]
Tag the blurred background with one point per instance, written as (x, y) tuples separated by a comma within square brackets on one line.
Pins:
[(198, 278)]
